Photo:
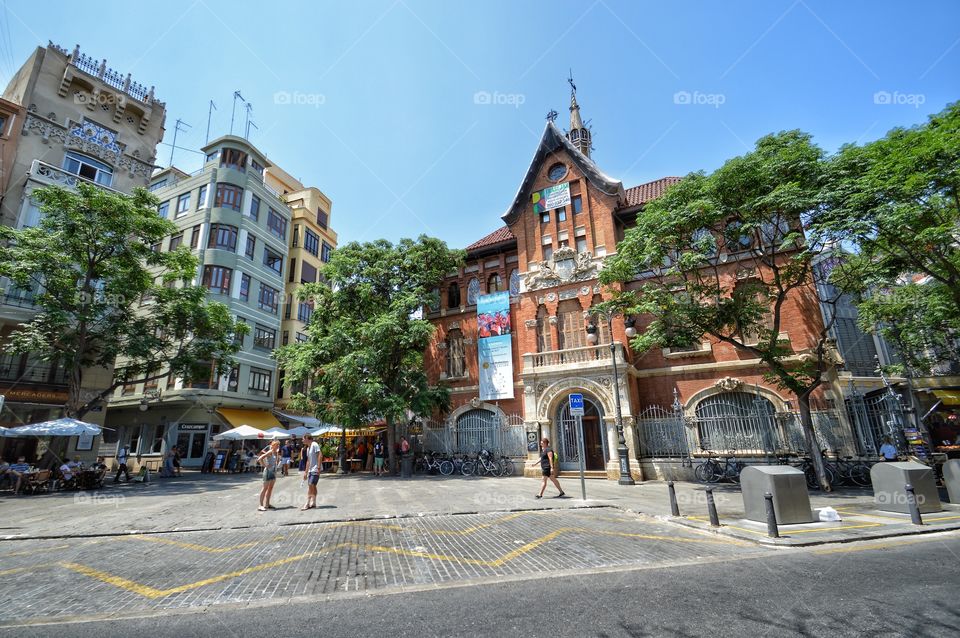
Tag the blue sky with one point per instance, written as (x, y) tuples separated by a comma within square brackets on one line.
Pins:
[(383, 104)]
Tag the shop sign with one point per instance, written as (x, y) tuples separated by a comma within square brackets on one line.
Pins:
[(192, 427)]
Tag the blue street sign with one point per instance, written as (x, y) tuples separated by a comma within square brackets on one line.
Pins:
[(576, 405)]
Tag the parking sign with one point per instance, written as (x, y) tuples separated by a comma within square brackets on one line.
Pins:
[(576, 405)]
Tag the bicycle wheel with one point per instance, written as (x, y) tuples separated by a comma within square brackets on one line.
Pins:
[(446, 467), (508, 468), (499, 468), (704, 472), (859, 475), (468, 468)]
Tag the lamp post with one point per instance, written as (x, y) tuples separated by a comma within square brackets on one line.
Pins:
[(622, 453)]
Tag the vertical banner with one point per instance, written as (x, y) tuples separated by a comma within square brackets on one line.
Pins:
[(494, 346)]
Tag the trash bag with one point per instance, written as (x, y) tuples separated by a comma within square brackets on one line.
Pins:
[(828, 514)]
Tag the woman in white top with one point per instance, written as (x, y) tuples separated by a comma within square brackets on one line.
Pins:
[(268, 458)]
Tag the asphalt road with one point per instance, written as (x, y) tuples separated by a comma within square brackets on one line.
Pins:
[(897, 587)]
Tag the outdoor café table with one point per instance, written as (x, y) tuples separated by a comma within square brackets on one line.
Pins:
[(87, 480)]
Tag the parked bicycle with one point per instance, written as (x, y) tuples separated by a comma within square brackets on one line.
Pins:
[(713, 471), (482, 465)]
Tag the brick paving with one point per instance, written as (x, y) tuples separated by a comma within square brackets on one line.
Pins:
[(122, 575)]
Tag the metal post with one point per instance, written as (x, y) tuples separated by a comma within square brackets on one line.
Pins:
[(915, 517), (674, 508), (210, 110), (712, 509), (624, 459), (772, 530), (580, 452)]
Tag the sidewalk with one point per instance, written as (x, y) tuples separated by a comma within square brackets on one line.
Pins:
[(221, 501)]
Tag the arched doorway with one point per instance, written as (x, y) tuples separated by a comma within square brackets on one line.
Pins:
[(594, 437), (477, 430)]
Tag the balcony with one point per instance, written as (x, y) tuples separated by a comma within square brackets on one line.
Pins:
[(590, 358), (51, 175)]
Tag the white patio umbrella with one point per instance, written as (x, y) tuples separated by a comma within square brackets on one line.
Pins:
[(323, 429), (57, 427), (243, 433), (280, 433)]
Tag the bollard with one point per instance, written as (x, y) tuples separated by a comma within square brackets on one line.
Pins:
[(712, 509), (912, 502), (772, 530), (674, 508)]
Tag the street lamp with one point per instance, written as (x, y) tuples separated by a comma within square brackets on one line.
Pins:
[(622, 454)]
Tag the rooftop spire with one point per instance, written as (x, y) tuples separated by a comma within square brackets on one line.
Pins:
[(578, 134)]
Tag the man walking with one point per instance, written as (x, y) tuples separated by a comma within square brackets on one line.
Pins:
[(122, 465), (285, 457), (549, 468), (312, 472), (379, 453)]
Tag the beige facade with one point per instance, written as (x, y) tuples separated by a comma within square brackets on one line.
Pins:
[(68, 118), (311, 242)]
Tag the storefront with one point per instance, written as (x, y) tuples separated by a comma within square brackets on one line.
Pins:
[(25, 406)]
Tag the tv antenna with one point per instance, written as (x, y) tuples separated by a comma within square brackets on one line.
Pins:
[(233, 112), (176, 129)]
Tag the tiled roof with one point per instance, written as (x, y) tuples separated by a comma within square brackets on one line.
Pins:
[(498, 236), (645, 192)]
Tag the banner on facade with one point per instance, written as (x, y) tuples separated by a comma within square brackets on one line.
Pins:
[(494, 346), (552, 197)]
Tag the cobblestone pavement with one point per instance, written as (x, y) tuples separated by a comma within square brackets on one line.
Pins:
[(88, 578)]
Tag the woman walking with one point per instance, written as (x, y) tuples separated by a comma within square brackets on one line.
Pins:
[(549, 468), (268, 458)]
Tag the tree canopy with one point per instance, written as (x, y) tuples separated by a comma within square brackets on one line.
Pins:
[(895, 201), (104, 294), (366, 340), (722, 255)]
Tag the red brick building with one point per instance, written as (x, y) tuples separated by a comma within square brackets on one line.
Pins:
[(549, 261)]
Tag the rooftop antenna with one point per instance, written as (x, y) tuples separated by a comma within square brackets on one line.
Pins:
[(176, 129), (213, 107), (233, 112), (246, 125), (249, 124)]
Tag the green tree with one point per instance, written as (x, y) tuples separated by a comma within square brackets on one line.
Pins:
[(896, 201), (721, 255), (366, 339), (103, 295)]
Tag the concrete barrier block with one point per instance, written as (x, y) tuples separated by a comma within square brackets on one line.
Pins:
[(951, 478), (889, 481), (788, 486)]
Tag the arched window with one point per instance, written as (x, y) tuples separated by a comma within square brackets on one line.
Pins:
[(473, 291), (738, 421), (453, 295), (434, 305), (494, 283), (544, 338), (734, 238), (477, 430), (456, 361), (88, 168), (515, 282)]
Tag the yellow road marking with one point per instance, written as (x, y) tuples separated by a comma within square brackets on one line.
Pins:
[(793, 531), (17, 570), (34, 551), (476, 528), (926, 517), (154, 593), (193, 546)]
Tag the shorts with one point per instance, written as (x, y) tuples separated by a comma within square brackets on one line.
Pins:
[(313, 479), (269, 475), (546, 472), (378, 461), (285, 460)]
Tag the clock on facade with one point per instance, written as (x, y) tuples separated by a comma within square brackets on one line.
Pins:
[(556, 172)]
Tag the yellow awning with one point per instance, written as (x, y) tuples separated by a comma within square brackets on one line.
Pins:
[(260, 419), (949, 397)]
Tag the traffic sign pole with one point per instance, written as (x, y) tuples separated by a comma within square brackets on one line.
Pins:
[(576, 410)]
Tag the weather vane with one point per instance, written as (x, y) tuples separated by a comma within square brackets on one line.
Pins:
[(552, 115)]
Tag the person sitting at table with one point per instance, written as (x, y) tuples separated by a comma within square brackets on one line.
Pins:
[(19, 470), (100, 464), (5, 475)]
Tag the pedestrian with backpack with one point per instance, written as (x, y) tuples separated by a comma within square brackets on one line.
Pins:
[(550, 468)]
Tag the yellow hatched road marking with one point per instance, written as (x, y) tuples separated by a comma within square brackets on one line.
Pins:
[(194, 546), (792, 531), (17, 570), (153, 593), (34, 551)]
